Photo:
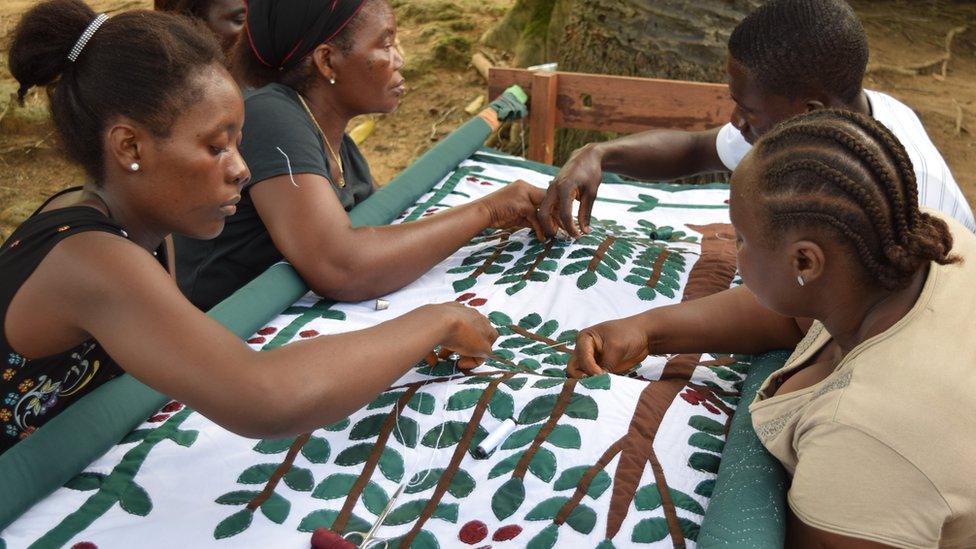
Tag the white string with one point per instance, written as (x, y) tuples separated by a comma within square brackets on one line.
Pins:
[(414, 469), (288, 162)]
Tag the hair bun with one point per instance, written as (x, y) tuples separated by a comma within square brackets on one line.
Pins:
[(42, 40)]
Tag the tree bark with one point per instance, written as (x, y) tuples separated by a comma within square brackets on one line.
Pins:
[(674, 39)]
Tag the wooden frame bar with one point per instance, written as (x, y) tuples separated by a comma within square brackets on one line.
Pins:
[(610, 103), (542, 116)]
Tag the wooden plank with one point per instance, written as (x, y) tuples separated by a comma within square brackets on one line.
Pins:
[(542, 117), (625, 104)]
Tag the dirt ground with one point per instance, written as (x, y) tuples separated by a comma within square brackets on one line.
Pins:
[(908, 41)]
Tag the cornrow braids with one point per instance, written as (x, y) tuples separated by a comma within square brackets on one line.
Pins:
[(893, 146), (846, 172), (794, 47), (825, 131)]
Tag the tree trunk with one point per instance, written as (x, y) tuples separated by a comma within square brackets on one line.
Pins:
[(674, 39)]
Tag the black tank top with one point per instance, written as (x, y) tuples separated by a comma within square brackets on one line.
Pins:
[(33, 391)]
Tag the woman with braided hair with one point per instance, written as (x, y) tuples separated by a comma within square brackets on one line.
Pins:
[(873, 414)]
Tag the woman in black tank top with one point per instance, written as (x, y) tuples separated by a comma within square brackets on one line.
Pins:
[(142, 101)]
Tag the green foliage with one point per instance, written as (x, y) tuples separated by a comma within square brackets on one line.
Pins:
[(86, 481), (135, 501), (299, 479), (571, 478), (707, 425), (508, 498), (702, 461), (276, 508), (234, 524), (257, 474), (237, 497), (391, 464), (316, 450)]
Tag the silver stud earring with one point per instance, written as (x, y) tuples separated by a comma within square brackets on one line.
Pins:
[(134, 166), (800, 281), (332, 80)]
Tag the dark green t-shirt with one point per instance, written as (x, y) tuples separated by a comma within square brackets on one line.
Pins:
[(210, 270)]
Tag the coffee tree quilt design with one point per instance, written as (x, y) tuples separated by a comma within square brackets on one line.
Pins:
[(606, 461)]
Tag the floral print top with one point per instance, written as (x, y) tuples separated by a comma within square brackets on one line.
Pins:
[(32, 391)]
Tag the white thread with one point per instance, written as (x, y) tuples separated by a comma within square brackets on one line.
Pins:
[(414, 469), (288, 162)]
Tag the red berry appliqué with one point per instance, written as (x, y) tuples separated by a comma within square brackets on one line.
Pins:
[(308, 333), (268, 330), (172, 407), (506, 533), (84, 545), (473, 532)]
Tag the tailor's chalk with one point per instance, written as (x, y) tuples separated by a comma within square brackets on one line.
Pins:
[(381, 305), (495, 438)]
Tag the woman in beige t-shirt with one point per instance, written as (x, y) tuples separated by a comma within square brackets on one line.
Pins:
[(873, 415)]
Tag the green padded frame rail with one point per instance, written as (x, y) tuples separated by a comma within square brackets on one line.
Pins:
[(748, 506)]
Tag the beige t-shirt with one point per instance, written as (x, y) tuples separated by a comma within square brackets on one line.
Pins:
[(884, 448)]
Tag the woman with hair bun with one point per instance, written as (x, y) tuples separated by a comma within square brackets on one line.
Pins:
[(873, 414), (318, 64), (143, 102), (225, 18)]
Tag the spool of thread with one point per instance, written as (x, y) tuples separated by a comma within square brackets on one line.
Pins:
[(495, 438)]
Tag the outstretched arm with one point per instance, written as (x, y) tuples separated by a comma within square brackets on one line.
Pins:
[(732, 321), (314, 233), (651, 155), (103, 285)]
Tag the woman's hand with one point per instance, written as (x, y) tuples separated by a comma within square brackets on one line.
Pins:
[(470, 334), (615, 346), (515, 206)]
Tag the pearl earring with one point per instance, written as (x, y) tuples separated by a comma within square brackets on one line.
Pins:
[(134, 166), (800, 281), (332, 80)]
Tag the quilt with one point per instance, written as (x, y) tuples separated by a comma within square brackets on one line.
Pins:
[(607, 461)]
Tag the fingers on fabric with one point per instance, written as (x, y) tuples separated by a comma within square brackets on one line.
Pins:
[(545, 212), (540, 234), (582, 363), (587, 198), (567, 194), (469, 362)]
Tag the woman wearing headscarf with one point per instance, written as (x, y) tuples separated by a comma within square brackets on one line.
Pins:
[(316, 65)]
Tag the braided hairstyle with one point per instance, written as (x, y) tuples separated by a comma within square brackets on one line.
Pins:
[(139, 64), (794, 47), (845, 171)]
